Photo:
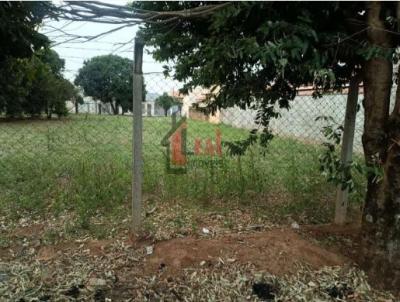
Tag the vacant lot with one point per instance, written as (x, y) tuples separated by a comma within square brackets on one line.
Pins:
[(84, 163), (217, 231)]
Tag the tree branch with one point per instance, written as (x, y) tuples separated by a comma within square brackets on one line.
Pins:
[(101, 12), (106, 13)]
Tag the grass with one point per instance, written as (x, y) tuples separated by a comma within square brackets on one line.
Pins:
[(83, 164)]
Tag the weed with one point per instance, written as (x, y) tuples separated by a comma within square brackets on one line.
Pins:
[(50, 237), (4, 242), (84, 165)]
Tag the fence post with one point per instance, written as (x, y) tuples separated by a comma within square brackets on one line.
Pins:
[(347, 147), (137, 166)]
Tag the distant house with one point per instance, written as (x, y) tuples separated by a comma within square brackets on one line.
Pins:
[(192, 104), (149, 106), (90, 106)]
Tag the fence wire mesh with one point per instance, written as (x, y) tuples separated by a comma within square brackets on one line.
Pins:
[(288, 171), (83, 162)]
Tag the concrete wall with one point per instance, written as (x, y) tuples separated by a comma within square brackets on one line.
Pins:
[(300, 121)]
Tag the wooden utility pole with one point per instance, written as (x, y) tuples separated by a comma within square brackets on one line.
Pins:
[(137, 162), (347, 147)]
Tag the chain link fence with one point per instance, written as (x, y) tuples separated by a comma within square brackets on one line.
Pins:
[(84, 161), (286, 171)]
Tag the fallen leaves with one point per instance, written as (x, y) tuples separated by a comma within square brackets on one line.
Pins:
[(235, 282), (85, 269)]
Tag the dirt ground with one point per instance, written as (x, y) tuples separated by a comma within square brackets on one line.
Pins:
[(312, 262), (277, 251), (340, 239)]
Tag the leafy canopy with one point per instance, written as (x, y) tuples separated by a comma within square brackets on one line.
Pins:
[(107, 78), (35, 85), (166, 102), (257, 54), (31, 79), (18, 28)]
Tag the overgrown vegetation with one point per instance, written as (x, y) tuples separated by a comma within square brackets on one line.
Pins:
[(83, 164)]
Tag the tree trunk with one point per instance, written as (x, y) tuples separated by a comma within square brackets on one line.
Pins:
[(381, 215), (48, 110), (114, 108), (377, 86), (166, 112), (389, 218), (76, 107), (49, 113)]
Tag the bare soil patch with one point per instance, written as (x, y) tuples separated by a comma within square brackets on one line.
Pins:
[(278, 251), (340, 239)]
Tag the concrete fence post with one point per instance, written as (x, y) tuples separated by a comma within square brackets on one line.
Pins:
[(137, 162), (347, 147)]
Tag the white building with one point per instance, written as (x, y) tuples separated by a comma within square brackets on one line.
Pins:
[(149, 107)]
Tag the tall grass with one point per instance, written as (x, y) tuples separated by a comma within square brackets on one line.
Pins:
[(83, 164)]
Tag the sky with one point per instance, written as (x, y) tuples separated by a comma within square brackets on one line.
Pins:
[(75, 53)]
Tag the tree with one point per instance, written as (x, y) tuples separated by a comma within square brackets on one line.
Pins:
[(18, 28), (108, 79), (52, 59), (34, 86), (63, 90), (49, 90), (381, 142), (77, 99), (29, 70), (15, 82), (166, 102), (259, 53), (220, 51), (41, 89)]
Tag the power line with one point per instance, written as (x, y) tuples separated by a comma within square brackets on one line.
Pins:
[(145, 73), (84, 48), (86, 58), (80, 42), (127, 50), (111, 51)]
